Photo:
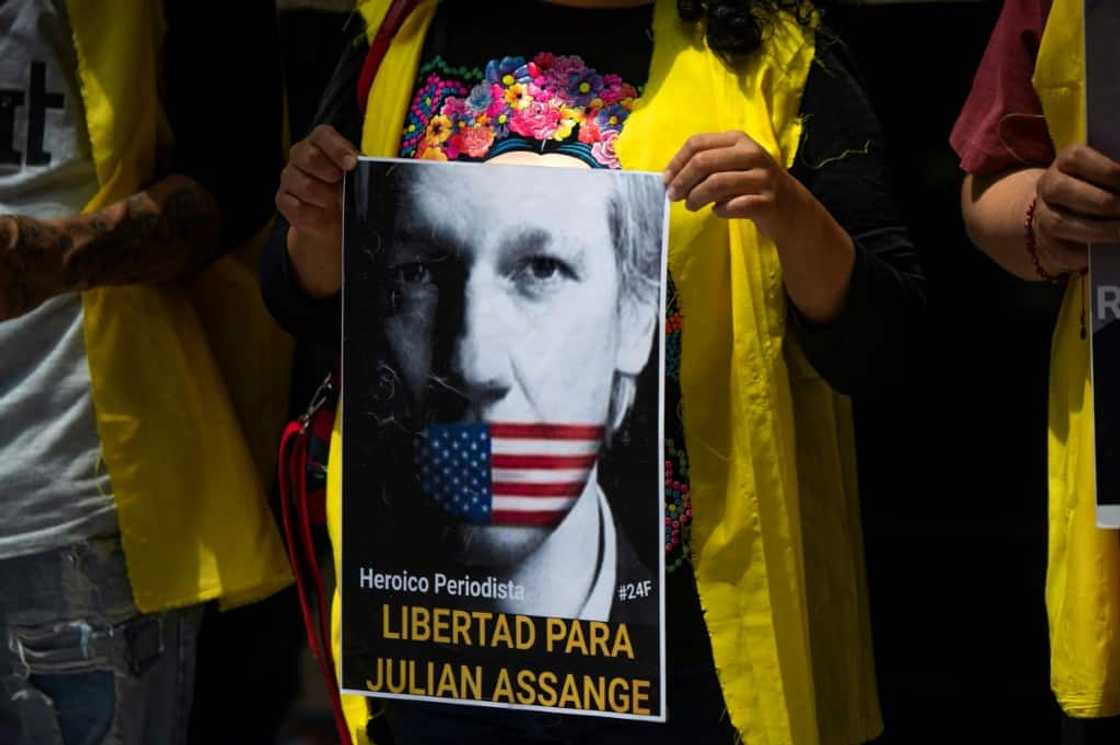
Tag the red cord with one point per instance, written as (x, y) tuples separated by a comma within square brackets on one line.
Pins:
[(394, 18), (293, 473)]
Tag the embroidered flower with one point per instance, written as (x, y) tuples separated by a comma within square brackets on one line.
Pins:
[(439, 129), (500, 123), (551, 98), (517, 96), (476, 141), (454, 108), (589, 131), (544, 60), (537, 120), (561, 69), (582, 86), (507, 71), (537, 93), (603, 150), (612, 116), (480, 97), (427, 152)]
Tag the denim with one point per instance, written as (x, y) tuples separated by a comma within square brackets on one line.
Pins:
[(79, 664)]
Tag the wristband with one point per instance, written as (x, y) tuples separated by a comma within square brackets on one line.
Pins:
[(1032, 247)]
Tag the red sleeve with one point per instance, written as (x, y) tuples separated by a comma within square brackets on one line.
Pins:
[(1001, 125)]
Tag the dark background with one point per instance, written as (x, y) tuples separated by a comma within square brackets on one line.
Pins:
[(952, 472), (953, 477)]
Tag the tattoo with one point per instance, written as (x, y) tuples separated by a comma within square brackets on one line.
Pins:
[(166, 232)]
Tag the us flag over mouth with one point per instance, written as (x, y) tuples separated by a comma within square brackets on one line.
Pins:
[(507, 474)]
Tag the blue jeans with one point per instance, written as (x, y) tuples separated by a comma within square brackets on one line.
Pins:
[(79, 664)]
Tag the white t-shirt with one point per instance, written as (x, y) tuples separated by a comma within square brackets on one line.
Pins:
[(54, 489)]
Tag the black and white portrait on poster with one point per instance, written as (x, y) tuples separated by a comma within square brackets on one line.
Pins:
[(502, 487), (1102, 82)]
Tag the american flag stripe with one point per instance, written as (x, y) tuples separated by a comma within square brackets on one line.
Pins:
[(532, 504), (539, 470), (528, 475), (545, 432), (542, 462), (544, 448), (526, 518), (566, 489)]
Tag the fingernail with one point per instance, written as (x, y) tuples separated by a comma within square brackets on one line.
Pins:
[(673, 196), (350, 161), (666, 176)]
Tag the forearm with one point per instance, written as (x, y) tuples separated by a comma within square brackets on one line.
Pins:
[(817, 255), (994, 209), (301, 315), (168, 231), (165, 232)]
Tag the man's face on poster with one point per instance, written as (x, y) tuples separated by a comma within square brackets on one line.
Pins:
[(504, 302)]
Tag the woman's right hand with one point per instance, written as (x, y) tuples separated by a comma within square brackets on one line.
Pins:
[(310, 198)]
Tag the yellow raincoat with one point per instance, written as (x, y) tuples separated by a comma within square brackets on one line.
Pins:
[(777, 548), (1083, 576), (174, 434)]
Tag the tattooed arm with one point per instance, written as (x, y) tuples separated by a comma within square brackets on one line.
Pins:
[(165, 232)]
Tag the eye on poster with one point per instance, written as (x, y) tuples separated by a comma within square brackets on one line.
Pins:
[(502, 493)]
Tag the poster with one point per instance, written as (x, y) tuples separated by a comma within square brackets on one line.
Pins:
[(1102, 80), (502, 488)]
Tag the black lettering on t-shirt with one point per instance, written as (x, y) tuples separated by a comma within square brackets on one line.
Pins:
[(10, 100), (41, 100)]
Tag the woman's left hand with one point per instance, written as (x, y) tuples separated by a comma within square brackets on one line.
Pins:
[(735, 174)]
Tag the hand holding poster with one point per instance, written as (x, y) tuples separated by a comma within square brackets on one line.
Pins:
[(502, 481)]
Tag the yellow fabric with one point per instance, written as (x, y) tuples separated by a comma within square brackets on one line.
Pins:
[(1083, 576), (776, 539), (253, 355), (191, 504), (777, 549)]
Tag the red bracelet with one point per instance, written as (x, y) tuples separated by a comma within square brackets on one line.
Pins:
[(1032, 247)]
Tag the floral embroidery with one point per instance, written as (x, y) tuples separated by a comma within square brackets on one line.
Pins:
[(678, 502), (549, 99), (424, 125)]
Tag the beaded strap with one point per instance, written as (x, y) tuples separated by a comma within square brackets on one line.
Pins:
[(1032, 247)]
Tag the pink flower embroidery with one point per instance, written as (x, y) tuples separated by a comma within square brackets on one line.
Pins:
[(476, 141), (537, 120), (454, 107), (603, 150), (589, 130)]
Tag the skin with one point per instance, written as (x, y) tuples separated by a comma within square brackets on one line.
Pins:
[(740, 181), (165, 232), (1078, 203)]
